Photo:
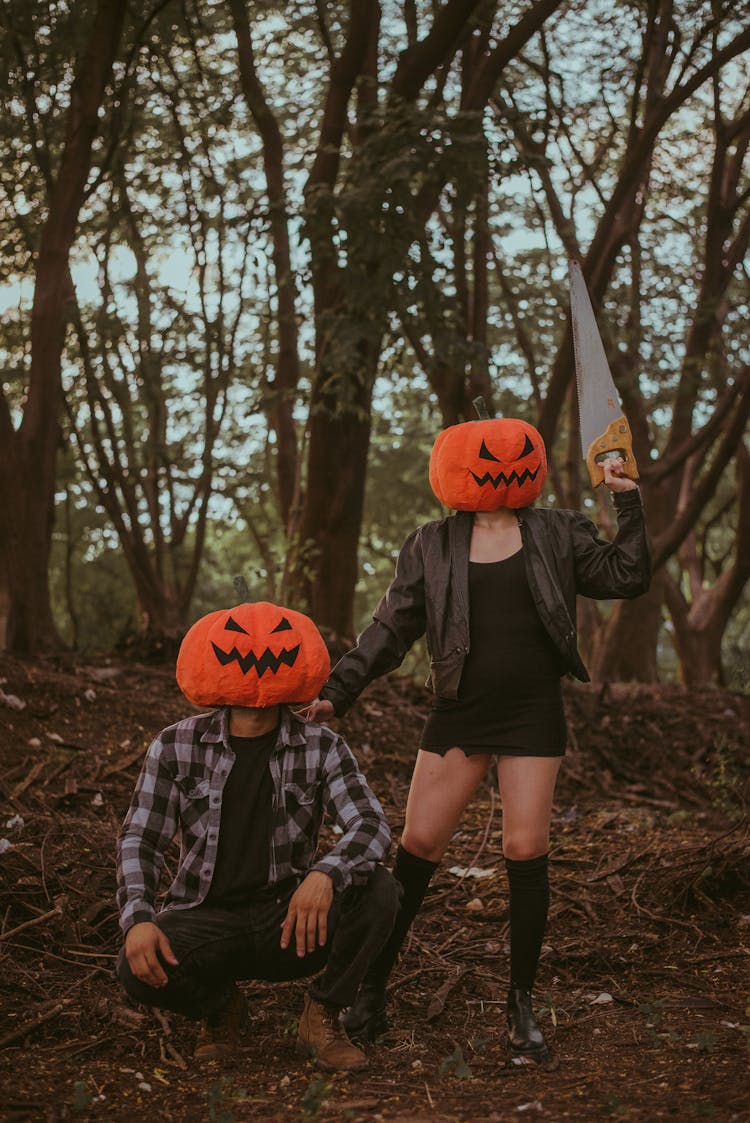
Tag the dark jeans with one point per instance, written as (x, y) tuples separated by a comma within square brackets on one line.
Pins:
[(214, 947)]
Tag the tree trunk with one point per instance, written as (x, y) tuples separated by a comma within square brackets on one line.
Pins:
[(30, 626), (324, 562), (627, 648), (4, 607), (163, 619), (700, 654), (700, 622), (28, 460)]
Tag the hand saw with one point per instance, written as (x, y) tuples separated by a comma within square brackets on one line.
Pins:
[(605, 432)]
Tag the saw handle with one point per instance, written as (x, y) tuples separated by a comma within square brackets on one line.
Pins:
[(615, 441)]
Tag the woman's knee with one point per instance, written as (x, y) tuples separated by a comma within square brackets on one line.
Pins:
[(423, 843), (524, 848)]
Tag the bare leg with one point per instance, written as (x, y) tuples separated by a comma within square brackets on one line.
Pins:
[(527, 788), (441, 788)]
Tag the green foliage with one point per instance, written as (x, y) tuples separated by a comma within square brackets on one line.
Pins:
[(316, 1094), (216, 1099), (726, 769), (82, 1098), (613, 1105), (455, 1065), (706, 1041)]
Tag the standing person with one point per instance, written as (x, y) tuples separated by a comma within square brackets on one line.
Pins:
[(247, 785), (494, 588)]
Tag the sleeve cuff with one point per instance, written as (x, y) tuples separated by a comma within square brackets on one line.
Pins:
[(337, 698), (139, 916), (339, 875), (625, 500)]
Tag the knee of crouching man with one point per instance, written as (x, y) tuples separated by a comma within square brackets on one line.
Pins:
[(385, 894)]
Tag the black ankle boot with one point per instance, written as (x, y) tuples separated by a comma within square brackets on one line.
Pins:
[(526, 1038), (366, 1019)]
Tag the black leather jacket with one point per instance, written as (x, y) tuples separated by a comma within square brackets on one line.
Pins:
[(564, 556)]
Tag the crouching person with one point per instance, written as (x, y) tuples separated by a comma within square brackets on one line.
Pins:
[(247, 784)]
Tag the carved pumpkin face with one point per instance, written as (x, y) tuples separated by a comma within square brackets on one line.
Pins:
[(483, 465), (252, 655)]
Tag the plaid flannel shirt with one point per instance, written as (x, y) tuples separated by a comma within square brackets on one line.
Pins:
[(181, 785)]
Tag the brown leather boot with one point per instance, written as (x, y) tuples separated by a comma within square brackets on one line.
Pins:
[(223, 1037), (321, 1036)]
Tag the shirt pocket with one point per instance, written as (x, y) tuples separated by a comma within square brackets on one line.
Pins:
[(301, 799), (303, 816), (194, 792)]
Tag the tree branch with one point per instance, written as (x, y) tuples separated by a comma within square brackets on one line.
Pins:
[(670, 539), (344, 73), (423, 58)]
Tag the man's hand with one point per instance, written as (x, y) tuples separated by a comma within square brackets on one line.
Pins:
[(142, 943), (319, 710), (308, 913), (613, 478)]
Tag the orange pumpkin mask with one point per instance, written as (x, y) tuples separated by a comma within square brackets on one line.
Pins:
[(483, 465), (252, 655)]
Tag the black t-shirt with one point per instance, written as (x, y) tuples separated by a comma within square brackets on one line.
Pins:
[(511, 650), (246, 822)]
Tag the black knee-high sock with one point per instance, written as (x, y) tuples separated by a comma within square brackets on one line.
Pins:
[(529, 904), (415, 875)]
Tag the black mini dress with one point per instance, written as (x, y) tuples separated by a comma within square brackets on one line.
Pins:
[(510, 698)]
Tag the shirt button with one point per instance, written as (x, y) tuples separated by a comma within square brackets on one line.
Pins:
[(206, 870)]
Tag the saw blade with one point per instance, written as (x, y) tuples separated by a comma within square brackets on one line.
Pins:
[(604, 428), (598, 403)]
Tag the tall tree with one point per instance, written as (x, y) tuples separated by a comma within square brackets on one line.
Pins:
[(383, 156), (28, 450)]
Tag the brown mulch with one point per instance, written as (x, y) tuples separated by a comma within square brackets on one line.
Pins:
[(644, 985)]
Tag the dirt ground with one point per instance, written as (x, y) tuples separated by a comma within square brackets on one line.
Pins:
[(644, 984)]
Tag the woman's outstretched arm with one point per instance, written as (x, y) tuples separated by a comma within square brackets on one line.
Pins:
[(398, 621)]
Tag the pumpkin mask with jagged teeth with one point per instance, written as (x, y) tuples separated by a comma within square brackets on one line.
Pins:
[(252, 655), (484, 465)]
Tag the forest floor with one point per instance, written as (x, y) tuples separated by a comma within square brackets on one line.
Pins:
[(644, 984)]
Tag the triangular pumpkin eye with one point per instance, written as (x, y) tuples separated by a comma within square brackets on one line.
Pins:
[(527, 448), (283, 625), (485, 454), (232, 626)]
